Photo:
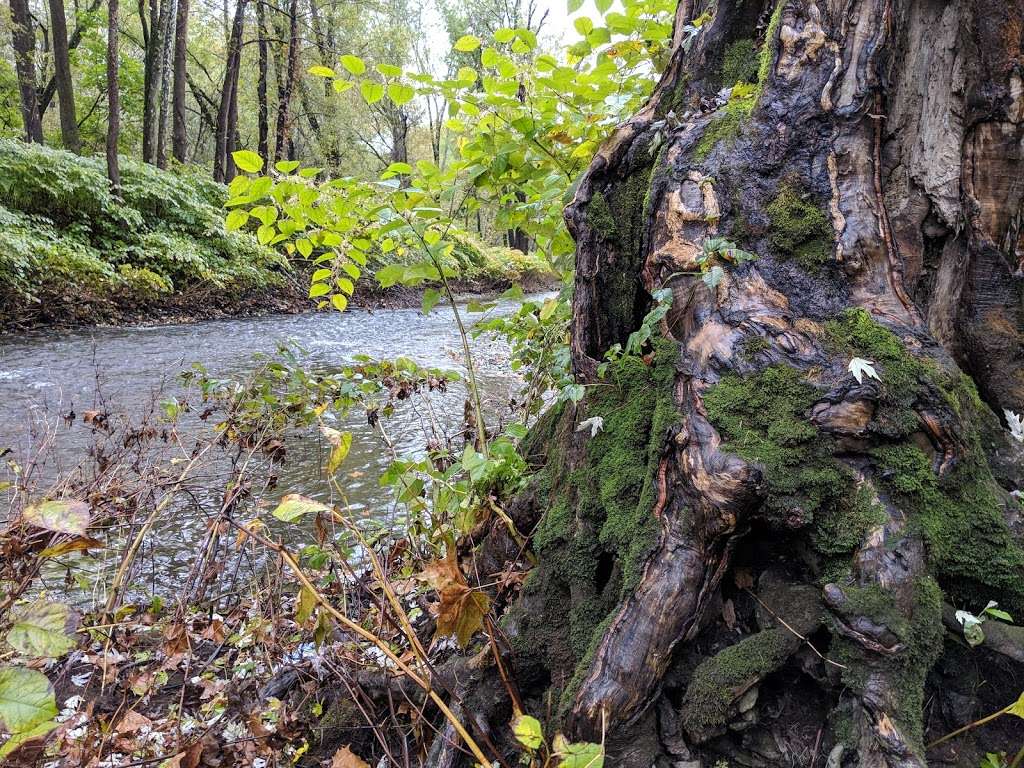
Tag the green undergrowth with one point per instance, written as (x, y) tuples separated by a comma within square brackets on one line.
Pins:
[(800, 230), (63, 233), (599, 527)]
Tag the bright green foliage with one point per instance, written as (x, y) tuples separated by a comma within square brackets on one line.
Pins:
[(26, 700), (800, 230), (63, 233), (40, 630)]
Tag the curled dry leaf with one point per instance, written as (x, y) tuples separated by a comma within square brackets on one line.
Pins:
[(345, 758), (462, 609)]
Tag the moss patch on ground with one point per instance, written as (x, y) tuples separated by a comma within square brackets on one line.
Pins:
[(800, 230)]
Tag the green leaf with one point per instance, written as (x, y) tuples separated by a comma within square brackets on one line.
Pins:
[(22, 737), (322, 71), (430, 298), (26, 699), (583, 25), (390, 275), (248, 161), (389, 70), (400, 93), (467, 43), (340, 442), (603, 6), (321, 274), (1017, 708), (236, 219), (339, 301), (528, 731), (372, 91), (59, 516), (396, 168), (504, 35), (294, 506), (582, 755), (304, 247), (319, 289), (41, 630), (285, 166), (353, 64), (574, 5)]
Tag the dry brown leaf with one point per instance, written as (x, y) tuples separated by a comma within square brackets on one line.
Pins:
[(345, 758), (132, 721), (462, 609)]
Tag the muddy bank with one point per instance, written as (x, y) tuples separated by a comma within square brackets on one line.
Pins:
[(211, 302)]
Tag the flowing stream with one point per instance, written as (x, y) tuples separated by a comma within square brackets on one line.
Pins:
[(45, 375)]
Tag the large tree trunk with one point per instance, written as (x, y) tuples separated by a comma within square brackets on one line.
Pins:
[(747, 491), (286, 87), (163, 123), (179, 140), (23, 39), (113, 97), (62, 75), (262, 108), (223, 164)]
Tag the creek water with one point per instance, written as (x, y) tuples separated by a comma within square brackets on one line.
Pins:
[(45, 375)]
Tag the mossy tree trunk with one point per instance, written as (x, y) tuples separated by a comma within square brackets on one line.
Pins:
[(747, 492)]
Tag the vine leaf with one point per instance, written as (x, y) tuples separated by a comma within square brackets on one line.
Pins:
[(860, 368), (528, 731), (295, 505), (26, 700), (462, 609), (42, 630)]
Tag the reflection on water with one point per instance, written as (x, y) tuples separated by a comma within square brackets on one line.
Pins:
[(44, 374)]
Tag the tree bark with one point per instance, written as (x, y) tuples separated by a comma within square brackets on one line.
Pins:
[(179, 138), (62, 75), (113, 97), (163, 121), (284, 97), (24, 41), (750, 561), (223, 165), (262, 108), (150, 76)]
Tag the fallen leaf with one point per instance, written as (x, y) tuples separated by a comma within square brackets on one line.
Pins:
[(462, 609), (595, 424), (860, 368), (59, 516), (132, 722), (345, 758)]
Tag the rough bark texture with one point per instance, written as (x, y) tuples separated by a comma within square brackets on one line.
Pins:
[(62, 75), (113, 96), (227, 117), (747, 491), (24, 41), (179, 140)]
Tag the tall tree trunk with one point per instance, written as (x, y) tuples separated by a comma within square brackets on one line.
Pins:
[(62, 75), (262, 109), (46, 95), (283, 128), (179, 139), (750, 562), (150, 76), (113, 97), (163, 123), (23, 39), (226, 121)]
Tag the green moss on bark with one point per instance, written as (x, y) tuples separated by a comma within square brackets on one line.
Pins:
[(599, 527), (741, 63), (720, 680), (800, 230)]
